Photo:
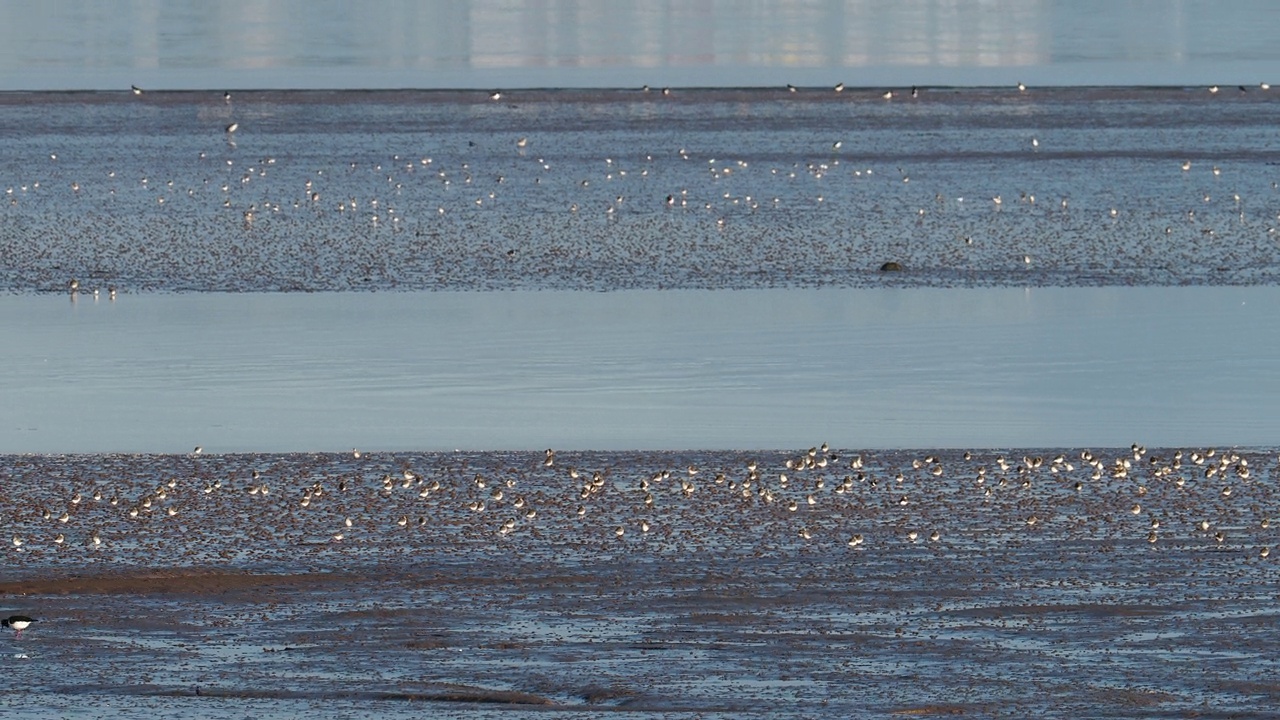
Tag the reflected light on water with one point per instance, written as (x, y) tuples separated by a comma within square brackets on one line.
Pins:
[(442, 43), (826, 34)]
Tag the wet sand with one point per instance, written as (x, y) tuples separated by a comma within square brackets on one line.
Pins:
[(605, 190), (180, 581), (1063, 585)]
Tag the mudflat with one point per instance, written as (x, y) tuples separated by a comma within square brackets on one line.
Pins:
[(864, 582)]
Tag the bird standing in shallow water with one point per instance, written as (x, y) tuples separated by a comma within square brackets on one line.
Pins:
[(18, 623)]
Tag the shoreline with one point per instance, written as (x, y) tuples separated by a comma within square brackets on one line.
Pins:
[(711, 92)]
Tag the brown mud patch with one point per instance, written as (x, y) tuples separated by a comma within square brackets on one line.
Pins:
[(176, 581), (442, 693)]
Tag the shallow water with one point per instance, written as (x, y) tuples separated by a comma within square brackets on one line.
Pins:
[(740, 597), (644, 369)]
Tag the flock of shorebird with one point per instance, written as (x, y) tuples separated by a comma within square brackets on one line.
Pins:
[(239, 506), (225, 507), (291, 208), (336, 511)]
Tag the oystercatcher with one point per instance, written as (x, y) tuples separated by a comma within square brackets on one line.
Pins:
[(18, 623)]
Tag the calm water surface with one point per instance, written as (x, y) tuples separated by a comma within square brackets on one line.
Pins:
[(1005, 367), (626, 43)]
